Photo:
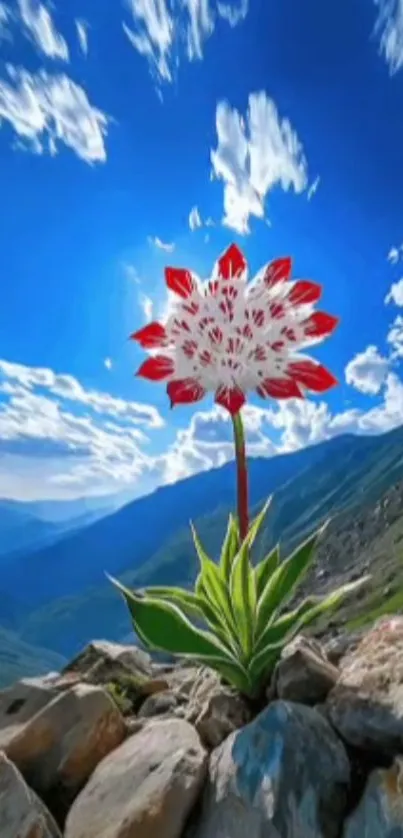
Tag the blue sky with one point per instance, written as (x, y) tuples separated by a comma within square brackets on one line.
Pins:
[(122, 132)]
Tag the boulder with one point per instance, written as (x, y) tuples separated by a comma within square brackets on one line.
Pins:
[(285, 775), (380, 811), (102, 654), (214, 709), (144, 789), (22, 814), (58, 748), (366, 704), (304, 674), (160, 704)]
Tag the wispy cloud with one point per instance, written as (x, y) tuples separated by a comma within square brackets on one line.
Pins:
[(108, 363), (252, 156), (146, 305), (48, 110), (82, 35), (169, 247), (395, 254), (38, 23), (195, 219), (5, 16), (313, 188), (162, 31), (389, 28)]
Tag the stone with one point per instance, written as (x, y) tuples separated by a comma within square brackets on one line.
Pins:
[(102, 652), (303, 673), (157, 705), (22, 813), (340, 645), (366, 704), (285, 775), (57, 749), (379, 813), (144, 789), (214, 709)]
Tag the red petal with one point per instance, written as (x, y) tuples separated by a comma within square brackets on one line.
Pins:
[(280, 388), (312, 375), (231, 399), (180, 281), (320, 324), (185, 391), (304, 292), (278, 271), (232, 263), (157, 368), (151, 336)]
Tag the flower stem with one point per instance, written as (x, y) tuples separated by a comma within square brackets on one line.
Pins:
[(242, 475)]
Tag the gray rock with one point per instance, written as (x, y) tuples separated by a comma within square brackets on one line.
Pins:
[(103, 654), (285, 775), (303, 673), (144, 789), (214, 709), (22, 814), (157, 705), (58, 748), (366, 704), (380, 811)]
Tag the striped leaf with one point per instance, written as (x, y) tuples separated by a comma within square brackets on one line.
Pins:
[(188, 601), (265, 569), (243, 597), (230, 548), (213, 585), (257, 523)]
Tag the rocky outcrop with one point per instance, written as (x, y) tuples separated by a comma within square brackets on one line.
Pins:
[(22, 813)]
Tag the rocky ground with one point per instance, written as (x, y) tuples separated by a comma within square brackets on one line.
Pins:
[(117, 746)]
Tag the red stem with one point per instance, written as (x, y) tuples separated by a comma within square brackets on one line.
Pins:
[(242, 476)]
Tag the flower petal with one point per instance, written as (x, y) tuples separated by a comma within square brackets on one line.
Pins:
[(319, 325), (150, 336), (278, 271), (156, 368), (180, 281), (185, 391), (280, 388), (304, 292), (232, 263), (313, 376), (232, 399)]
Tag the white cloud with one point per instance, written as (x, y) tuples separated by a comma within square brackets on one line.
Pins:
[(169, 247), (130, 273), (146, 305), (253, 156), (313, 188), (45, 110), (394, 255), (395, 293), (195, 219), (5, 16), (82, 35), (38, 23), (160, 30), (233, 12), (367, 371), (389, 28), (395, 337), (108, 363)]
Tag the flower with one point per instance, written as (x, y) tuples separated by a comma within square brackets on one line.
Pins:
[(229, 336)]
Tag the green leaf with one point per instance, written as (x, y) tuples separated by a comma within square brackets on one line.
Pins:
[(243, 597), (230, 548), (163, 626), (257, 523), (265, 569), (281, 630), (214, 587), (188, 601), (283, 582)]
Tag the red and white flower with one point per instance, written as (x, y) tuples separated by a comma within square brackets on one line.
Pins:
[(229, 336)]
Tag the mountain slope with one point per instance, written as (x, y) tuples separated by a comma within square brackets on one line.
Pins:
[(19, 659), (345, 476)]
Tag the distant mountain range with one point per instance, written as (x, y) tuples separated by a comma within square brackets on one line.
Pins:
[(57, 597)]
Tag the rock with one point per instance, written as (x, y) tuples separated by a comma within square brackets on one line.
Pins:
[(339, 646), (366, 704), (22, 814), (214, 709), (380, 811), (285, 775), (157, 705), (103, 654), (57, 749), (144, 789), (303, 673)]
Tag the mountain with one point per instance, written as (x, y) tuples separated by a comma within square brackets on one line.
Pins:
[(19, 659), (340, 477)]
